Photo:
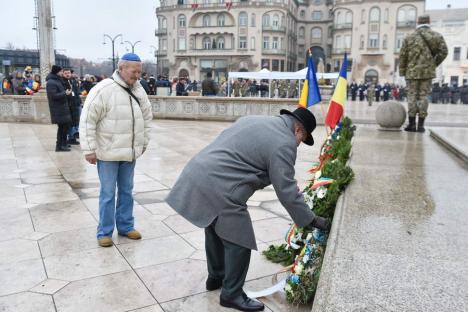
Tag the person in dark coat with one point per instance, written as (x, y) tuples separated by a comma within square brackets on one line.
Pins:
[(58, 105), (144, 82), (454, 94), (464, 94), (152, 85), (362, 91), (445, 93), (209, 87), (214, 187), (387, 89), (378, 90), (74, 102), (180, 88), (435, 93), (353, 87)]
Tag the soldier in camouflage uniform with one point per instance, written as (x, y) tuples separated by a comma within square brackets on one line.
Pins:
[(422, 51)]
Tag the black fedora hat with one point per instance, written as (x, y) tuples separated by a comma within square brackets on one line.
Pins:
[(307, 119)]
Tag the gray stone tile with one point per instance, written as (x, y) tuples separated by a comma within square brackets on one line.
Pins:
[(260, 266), (148, 186), (179, 224), (49, 286), (30, 271), (18, 250), (85, 264), (160, 209), (161, 278), (155, 251), (115, 292), (153, 308), (149, 227), (263, 195), (273, 229), (62, 243), (151, 197), (27, 302), (16, 223), (196, 239), (207, 302), (257, 213), (62, 216), (35, 236)]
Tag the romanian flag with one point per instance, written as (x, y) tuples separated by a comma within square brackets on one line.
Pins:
[(335, 110), (310, 94)]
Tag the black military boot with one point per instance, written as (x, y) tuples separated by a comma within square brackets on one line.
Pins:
[(61, 148), (411, 125), (73, 142), (421, 124)]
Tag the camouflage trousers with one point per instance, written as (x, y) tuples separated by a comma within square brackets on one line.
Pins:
[(418, 92)]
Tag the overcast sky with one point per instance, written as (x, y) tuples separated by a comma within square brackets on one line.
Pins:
[(82, 23)]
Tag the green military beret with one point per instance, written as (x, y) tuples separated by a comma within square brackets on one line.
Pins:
[(424, 19)]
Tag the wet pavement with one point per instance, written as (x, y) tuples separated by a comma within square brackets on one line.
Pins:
[(401, 233), (402, 237), (454, 139)]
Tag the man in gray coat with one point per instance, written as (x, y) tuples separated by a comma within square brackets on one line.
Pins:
[(214, 187)]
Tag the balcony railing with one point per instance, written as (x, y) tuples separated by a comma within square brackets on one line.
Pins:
[(274, 51), (341, 50), (226, 51), (174, 4), (160, 53), (160, 32), (343, 26), (274, 28), (406, 24)]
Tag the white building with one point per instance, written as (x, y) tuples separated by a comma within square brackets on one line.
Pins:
[(218, 36), (453, 25)]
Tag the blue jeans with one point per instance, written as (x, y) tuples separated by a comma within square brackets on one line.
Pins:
[(114, 174)]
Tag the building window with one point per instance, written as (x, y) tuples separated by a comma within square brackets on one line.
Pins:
[(317, 2), (206, 20), (221, 20), (384, 42), (363, 16), (386, 16), (243, 19), (275, 65), (347, 42), (181, 44), (373, 41), (274, 44), (316, 35), (282, 65), (302, 14), (182, 21), (206, 43), (266, 63), (252, 43), (316, 15), (399, 41), (301, 51), (406, 16), (275, 21), (221, 43), (374, 15), (338, 42), (361, 42), (252, 20), (301, 32), (242, 42), (453, 80), (266, 20), (456, 53), (266, 43), (281, 46), (349, 18)]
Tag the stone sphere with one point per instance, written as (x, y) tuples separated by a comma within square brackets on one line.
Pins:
[(390, 115)]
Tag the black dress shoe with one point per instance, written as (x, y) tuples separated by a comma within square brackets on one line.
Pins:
[(73, 142), (242, 303), (213, 283)]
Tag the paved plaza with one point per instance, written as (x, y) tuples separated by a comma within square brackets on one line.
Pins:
[(404, 226)]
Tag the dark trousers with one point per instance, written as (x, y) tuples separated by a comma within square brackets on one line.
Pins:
[(62, 131), (226, 261)]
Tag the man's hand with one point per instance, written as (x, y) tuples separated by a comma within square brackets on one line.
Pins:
[(321, 223), (91, 158)]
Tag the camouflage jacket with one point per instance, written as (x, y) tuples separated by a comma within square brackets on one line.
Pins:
[(419, 60)]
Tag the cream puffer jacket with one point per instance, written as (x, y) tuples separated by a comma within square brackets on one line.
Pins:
[(112, 124)]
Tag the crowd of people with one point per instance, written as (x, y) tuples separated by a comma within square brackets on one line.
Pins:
[(25, 83)]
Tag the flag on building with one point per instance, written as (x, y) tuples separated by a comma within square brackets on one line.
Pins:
[(310, 94), (228, 5), (337, 102), (194, 6)]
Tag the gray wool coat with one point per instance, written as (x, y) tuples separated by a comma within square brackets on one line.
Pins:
[(254, 152)]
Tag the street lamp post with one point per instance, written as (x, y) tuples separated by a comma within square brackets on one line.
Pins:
[(133, 44), (113, 48)]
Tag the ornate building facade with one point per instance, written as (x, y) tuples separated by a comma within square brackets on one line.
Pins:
[(200, 36)]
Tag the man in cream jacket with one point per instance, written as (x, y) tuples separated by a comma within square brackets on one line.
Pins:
[(114, 132)]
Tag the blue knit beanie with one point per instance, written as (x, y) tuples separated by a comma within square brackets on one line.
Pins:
[(131, 57)]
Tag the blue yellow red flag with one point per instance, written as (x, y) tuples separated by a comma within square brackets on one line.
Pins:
[(310, 94), (337, 102)]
